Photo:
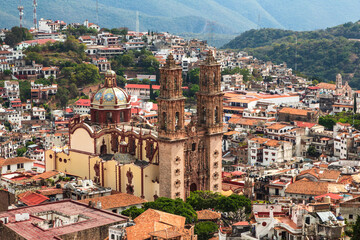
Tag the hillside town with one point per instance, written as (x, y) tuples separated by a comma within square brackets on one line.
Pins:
[(239, 147)]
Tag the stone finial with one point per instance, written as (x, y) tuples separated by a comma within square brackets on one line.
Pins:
[(170, 62), (210, 59)]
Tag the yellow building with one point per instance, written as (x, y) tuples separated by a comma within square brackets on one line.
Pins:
[(113, 150)]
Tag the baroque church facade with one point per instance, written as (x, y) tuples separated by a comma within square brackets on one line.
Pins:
[(168, 160)]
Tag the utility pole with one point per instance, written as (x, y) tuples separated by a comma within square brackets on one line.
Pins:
[(296, 41), (35, 18), (97, 12), (137, 24), (21, 13)]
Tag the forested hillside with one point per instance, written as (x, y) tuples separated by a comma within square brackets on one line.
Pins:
[(320, 54), (217, 16)]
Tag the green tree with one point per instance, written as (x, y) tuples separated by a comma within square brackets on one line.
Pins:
[(194, 75), (356, 229), (327, 121), (7, 72), (203, 199), (233, 203), (133, 212), (25, 90), (205, 230), (16, 35), (177, 207), (86, 74), (62, 96), (21, 151), (73, 90), (34, 56), (8, 126), (315, 82), (146, 81), (312, 152), (127, 60), (120, 81)]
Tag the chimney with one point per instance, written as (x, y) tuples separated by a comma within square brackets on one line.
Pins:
[(98, 205)]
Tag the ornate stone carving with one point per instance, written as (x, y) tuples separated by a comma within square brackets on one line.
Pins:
[(129, 186)]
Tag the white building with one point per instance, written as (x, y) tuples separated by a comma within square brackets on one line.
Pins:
[(265, 151), (38, 113), (17, 164), (12, 90), (82, 106)]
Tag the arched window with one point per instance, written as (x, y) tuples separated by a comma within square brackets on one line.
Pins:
[(177, 117), (97, 119), (163, 125), (203, 120), (121, 116), (216, 117), (175, 83), (109, 117), (214, 79)]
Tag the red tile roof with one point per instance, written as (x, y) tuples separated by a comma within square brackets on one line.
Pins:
[(304, 124), (12, 161), (83, 102), (32, 198), (241, 224), (208, 215), (331, 195), (142, 86), (26, 229), (306, 187), (116, 200), (45, 175)]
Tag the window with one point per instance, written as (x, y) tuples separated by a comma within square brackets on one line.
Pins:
[(8, 167), (276, 192), (177, 116), (112, 236), (351, 216), (193, 147), (216, 115), (163, 125), (203, 119), (307, 220), (20, 165)]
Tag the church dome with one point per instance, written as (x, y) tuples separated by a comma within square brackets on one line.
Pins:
[(110, 96)]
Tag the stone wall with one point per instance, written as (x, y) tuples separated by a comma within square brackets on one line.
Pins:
[(6, 199)]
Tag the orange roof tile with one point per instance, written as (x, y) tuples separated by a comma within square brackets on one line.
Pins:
[(328, 86), (12, 161), (208, 215), (116, 200), (295, 111), (306, 187)]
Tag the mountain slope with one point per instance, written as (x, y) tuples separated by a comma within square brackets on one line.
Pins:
[(198, 16), (320, 54)]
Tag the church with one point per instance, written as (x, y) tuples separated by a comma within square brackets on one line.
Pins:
[(169, 160)]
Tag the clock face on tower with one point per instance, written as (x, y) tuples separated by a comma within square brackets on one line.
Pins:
[(108, 97)]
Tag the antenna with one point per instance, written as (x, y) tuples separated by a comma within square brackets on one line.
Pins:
[(296, 41), (21, 13), (137, 24), (211, 25), (97, 12), (35, 18), (258, 23)]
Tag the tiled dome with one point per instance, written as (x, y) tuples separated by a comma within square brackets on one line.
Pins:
[(110, 95)]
